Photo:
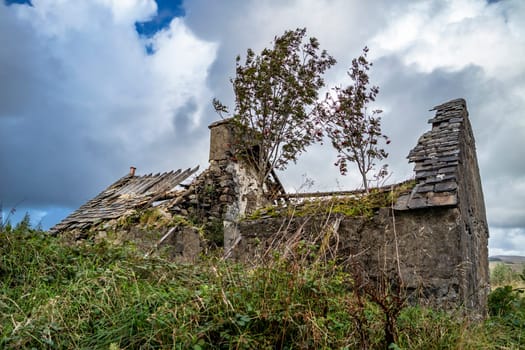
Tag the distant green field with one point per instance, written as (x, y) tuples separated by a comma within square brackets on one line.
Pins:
[(514, 267), (517, 263), (510, 259)]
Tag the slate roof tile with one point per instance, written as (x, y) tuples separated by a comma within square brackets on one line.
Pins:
[(128, 193), (436, 158)]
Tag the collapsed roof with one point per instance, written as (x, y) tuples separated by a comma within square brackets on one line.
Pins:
[(128, 193)]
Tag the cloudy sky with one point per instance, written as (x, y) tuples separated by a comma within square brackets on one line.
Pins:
[(89, 88)]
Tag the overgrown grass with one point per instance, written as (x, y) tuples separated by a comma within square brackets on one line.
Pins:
[(360, 204), (98, 296)]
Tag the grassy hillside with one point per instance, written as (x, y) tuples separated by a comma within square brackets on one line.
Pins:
[(96, 296), (508, 259), (507, 270)]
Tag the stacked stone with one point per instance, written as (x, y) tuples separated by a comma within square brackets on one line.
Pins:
[(207, 196), (436, 158)]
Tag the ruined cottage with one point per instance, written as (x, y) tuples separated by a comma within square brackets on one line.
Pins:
[(431, 231)]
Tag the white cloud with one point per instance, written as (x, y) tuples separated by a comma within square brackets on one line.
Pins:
[(455, 34), (131, 10), (181, 63), (507, 241), (89, 100)]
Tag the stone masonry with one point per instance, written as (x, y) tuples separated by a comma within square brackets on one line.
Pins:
[(433, 237), (436, 234)]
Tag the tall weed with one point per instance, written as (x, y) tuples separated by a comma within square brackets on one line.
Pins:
[(98, 296)]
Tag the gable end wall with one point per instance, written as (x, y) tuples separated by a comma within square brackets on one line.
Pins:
[(437, 236)]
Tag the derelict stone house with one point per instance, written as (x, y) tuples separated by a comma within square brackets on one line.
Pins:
[(434, 234)]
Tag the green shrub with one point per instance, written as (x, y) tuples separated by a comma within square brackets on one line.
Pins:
[(502, 274), (503, 300), (506, 325)]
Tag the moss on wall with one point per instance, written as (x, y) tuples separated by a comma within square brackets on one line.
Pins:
[(356, 205)]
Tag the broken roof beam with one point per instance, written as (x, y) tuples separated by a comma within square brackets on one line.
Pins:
[(128, 192)]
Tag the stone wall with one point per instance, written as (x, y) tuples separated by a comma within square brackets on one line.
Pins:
[(425, 243), (475, 233), (207, 200), (435, 235)]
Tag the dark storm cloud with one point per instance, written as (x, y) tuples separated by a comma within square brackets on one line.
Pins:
[(78, 107), (184, 116), (491, 104), (31, 144), (239, 25)]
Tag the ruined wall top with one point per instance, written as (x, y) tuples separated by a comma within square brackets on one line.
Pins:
[(437, 157), (220, 140)]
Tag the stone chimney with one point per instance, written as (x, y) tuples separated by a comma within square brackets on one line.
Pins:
[(221, 138), (244, 193)]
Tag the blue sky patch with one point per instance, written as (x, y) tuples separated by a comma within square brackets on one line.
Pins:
[(22, 2), (166, 11)]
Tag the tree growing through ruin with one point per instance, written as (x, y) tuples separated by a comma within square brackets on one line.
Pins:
[(352, 126), (276, 101)]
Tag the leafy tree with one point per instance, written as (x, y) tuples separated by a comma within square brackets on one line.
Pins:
[(503, 274), (276, 108), (353, 128)]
